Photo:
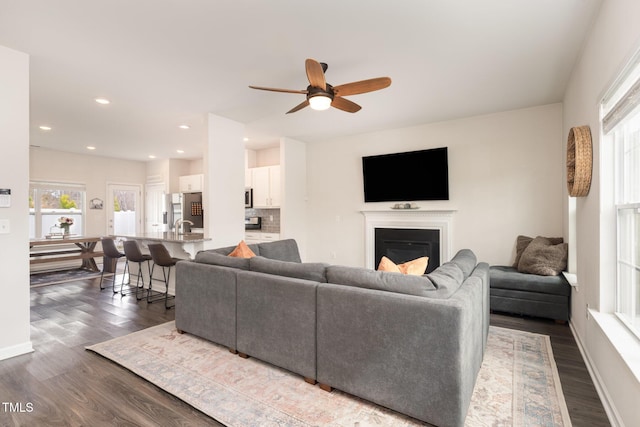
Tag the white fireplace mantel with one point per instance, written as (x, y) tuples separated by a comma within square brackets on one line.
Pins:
[(441, 220)]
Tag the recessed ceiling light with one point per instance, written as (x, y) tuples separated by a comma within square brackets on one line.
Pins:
[(103, 101), (151, 156), (45, 127), (245, 139), (184, 127), (90, 147), (180, 151)]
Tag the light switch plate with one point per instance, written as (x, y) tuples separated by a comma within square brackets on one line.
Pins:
[(4, 226)]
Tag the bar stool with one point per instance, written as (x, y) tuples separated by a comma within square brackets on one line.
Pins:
[(161, 257), (133, 254), (111, 255)]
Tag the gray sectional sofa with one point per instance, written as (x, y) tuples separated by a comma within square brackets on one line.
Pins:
[(529, 294), (413, 344)]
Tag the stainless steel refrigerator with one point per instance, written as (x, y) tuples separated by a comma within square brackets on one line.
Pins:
[(187, 206), (192, 210)]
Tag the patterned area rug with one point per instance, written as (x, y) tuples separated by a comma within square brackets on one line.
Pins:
[(53, 277), (518, 384)]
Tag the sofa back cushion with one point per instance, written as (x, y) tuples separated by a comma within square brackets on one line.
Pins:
[(466, 260), (228, 249), (283, 250), (447, 279), (380, 280), (313, 271), (215, 258)]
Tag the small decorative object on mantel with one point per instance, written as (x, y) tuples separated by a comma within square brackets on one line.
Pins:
[(579, 161), (405, 206)]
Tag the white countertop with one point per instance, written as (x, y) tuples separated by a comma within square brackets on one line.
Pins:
[(168, 236)]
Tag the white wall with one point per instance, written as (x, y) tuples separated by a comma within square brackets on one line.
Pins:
[(293, 221), (505, 174), (93, 171), (224, 182), (613, 39), (14, 175)]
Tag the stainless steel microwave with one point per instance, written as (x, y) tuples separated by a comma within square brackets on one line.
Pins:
[(248, 197)]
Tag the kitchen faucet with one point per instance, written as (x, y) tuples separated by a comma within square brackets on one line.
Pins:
[(179, 222)]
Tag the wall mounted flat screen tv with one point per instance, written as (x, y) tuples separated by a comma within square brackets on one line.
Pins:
[(404, 177)]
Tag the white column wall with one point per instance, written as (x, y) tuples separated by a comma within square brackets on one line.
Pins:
[(224, 182), (14, 175)]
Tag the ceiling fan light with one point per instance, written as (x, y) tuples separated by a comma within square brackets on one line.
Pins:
[(320, 102)]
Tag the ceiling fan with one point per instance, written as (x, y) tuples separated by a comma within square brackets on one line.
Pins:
[(321, 95)]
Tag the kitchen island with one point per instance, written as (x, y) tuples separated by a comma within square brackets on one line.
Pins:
[(183, 246)]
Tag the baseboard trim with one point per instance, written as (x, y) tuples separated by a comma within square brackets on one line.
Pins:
[(609, 409), (16, 350)]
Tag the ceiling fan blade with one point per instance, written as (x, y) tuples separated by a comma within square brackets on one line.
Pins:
[(345, 105), (272, 89), (362, 86), (315, 74), (298, 107)]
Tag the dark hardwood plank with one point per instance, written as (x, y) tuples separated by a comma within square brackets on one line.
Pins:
[(68, 385)]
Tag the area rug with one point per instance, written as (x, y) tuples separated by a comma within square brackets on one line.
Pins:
[(518, 384), (63, 276)]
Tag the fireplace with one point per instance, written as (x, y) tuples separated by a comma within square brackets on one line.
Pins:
[(417, 233), (405, 244)]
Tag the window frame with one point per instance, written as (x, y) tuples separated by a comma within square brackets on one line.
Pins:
[(619, 109), (36, 188)]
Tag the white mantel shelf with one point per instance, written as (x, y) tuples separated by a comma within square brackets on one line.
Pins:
[(441, 220)]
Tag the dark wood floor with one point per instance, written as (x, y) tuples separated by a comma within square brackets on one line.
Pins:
[(61, 384)]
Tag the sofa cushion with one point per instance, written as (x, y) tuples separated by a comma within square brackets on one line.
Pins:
[(228, 249), (283, 250), (543, 257), (447, 279), (414, 267), (466, 260), (380, 280), (242, 251), (313, 271), (211, 257), (503, 277), (523, 241)]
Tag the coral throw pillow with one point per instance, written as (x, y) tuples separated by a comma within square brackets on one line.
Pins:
[(415, 267), (242, 251)]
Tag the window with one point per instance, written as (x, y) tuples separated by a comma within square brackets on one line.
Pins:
[(50, 201), (621, 126)]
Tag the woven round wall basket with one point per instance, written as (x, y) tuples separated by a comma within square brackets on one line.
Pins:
[(579, 161)]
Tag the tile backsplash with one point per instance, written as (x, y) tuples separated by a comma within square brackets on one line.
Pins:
[(270, 219)]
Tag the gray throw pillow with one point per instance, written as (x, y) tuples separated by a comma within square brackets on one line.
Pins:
[(543, 257), (523, 241)]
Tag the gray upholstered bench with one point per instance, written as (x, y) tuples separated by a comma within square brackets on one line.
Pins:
[(529, 294)]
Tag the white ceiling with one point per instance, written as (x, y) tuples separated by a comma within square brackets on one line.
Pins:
[(165, 63)]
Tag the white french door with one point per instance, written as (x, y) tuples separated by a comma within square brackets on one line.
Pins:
[(124, 209)]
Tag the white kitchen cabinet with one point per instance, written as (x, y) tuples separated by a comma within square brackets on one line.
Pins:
[(191, 183), (265, 182), (251, 237)]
